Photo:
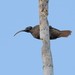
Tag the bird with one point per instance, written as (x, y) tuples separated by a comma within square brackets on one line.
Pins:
[(54, 33)]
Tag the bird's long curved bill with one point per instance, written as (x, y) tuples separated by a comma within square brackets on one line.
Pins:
[(18, 32)]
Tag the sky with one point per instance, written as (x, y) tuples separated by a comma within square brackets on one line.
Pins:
[(21, 55)]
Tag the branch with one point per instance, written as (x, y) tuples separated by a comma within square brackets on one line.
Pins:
[(45, 37)]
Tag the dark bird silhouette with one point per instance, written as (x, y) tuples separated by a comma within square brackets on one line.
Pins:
[(54, 33)]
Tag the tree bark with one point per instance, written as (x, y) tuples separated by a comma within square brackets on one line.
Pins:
[(44, 36)]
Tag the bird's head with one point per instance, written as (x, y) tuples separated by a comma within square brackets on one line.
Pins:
[(27, 29)]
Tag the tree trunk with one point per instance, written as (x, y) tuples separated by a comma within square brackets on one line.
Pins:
[(44, 36)]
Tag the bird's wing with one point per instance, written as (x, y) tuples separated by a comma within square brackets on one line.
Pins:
[(54, 33)]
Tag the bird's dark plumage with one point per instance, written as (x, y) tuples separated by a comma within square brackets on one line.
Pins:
[(54, 33)]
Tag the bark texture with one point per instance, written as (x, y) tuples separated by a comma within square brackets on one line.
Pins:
[(44, 35)]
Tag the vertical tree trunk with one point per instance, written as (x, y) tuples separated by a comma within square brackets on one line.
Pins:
[(44, 35)]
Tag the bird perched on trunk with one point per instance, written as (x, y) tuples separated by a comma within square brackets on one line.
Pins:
[(54, 33)]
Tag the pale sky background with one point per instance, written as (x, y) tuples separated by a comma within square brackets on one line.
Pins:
[(21, 55)]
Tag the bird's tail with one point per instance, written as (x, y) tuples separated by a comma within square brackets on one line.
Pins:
[(65, 33)]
